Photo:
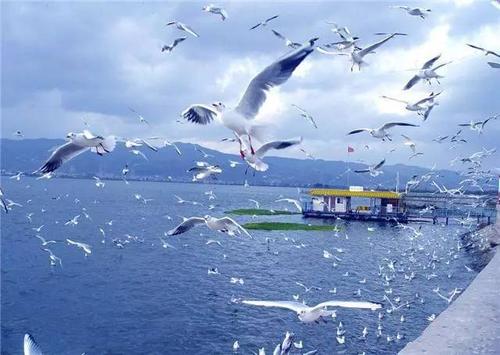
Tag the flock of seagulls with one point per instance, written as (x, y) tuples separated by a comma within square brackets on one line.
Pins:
[(240, 121)]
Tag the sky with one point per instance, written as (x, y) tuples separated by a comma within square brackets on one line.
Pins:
[(64, 63)]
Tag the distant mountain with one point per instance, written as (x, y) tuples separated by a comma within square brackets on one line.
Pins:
[(29, 154)]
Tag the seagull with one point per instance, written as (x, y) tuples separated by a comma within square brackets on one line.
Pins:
[(486, 51), (381, 132), (172, 144), (182, 201), (53, 258), (216, 10), (306, 115), (307, 289), (288, 42), (347, 39), (139, 153), (234, 164), (30, 346), (255, 161), (408, 142), (205, 154), (291, 200), (2, 202), (265, 22), (73, 221), (183, 27), (478, 125), (18, 134), (170, 48), (98, 182), (440, 139), (223, 225), (78, 143), (204, 170), (85, 247), (427, 72), (166, 245), (257, 204), (372, 169), (16, 177), (308, 314), (357, 55), (141, 119), (38, 229), (414, 11), (423, 107), (240, 119), (44, 241)]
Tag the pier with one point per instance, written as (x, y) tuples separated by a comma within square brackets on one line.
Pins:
[(357, 204)]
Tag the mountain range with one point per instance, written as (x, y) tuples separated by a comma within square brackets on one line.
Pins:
[(27, 155)]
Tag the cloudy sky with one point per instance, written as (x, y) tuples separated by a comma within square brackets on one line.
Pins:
[(66, 62)]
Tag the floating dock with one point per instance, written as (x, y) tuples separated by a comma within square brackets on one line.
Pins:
[(357, 204)]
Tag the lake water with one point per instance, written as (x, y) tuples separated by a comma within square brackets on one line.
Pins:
[(145, 299)]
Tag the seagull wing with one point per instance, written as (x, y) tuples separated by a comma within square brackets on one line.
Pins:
[(231, 222), (412, 82), (293, 306), (61, 155), (271, 18), (149, 145), (359, 130), (279, 35), (30, 346), (200, 114), (394, 124), (362, 171), (374, 46), (278, 145), (275, 74), (379, 165), (476, 47), (186, 225), (348, 304), (189, 30), (430, 62)]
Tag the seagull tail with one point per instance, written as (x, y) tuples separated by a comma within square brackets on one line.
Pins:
[(106, 146)]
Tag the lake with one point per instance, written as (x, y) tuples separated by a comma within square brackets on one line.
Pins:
[(146, 299)]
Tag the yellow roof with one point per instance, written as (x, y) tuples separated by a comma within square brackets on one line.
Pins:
[(348, 193)]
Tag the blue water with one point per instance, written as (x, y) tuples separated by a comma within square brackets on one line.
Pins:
[(144, 299)]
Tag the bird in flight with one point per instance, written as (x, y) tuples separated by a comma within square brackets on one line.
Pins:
[(381, 132), (265, 22)]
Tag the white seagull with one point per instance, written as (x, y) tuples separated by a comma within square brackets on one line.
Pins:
[(427, 72), (139, 116), (308, 314), (291, 200), (73, 221), (288, 42), (204, 170), (306, 115), (486, 51), (44, 241), (410, 143), (381, 132), (372, 169), (223, 225), (358, 54), (216, 10), (85, 247), (183, 27), (240, 120), (254, 160), (422, 107), (170, 48), (265, 22), (414, 11), (78, 143)]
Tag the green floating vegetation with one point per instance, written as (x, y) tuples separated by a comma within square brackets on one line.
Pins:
[(258, 212), (281, 226)]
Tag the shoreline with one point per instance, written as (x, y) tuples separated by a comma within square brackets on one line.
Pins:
[(470, 324)]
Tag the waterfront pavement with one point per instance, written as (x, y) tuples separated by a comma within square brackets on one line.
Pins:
[(471, 324)]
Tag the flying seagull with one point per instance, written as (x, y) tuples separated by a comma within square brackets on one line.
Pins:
[(183, 27), (223, 225), (486, 51), (358, 54), (347, 39), (30, 346), (478, 125), (381, 132), (216, 10), (291, 200), (2, 201), (427, 72), (254, 160), (423, 107), (288, 42), (410, 143), (141, 119), (85, 247), (78, 143), (170, 48), (204, 170), (372, 169), (414, 11), (306, 115), (308, 314), (265, 22), (240, 120)]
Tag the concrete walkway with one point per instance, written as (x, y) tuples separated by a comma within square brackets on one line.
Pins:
[(471, 324)]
